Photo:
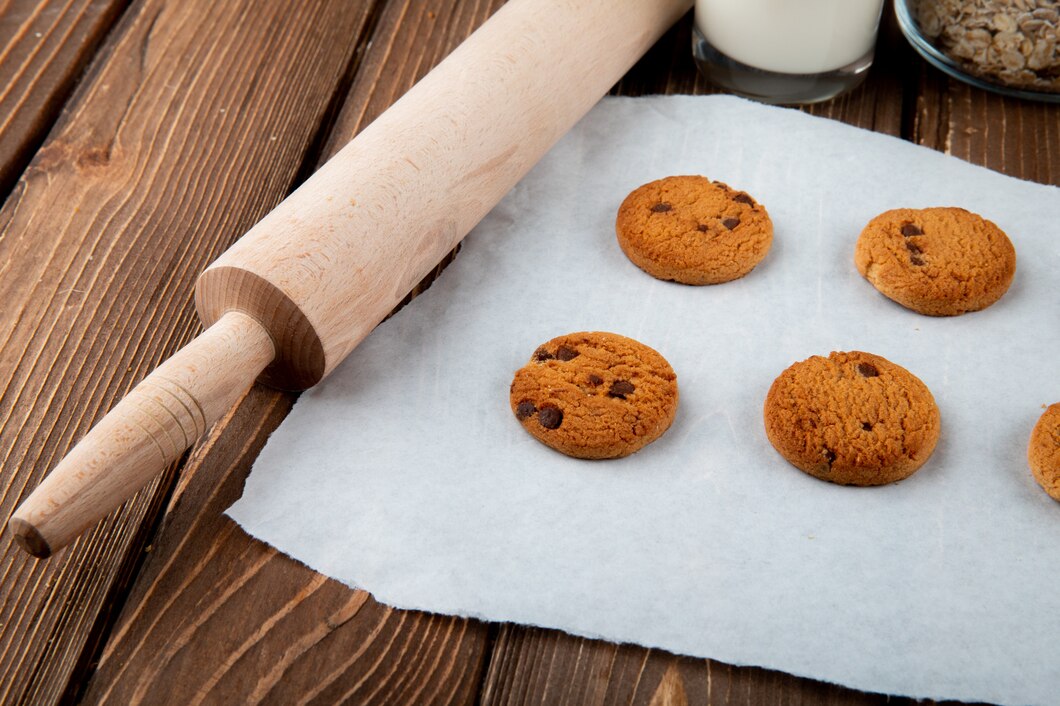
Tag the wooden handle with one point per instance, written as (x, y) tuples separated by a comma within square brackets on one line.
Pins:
[(331, 261), (148, 430)]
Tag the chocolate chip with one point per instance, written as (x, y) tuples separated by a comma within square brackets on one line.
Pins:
[(916, 260), (702, 228), (566, 353), (909, 230), (829, 456), (661, 207), (913, 247), (731, 223), (621, 388), (525, 409), (867, 370), (550, 417), (867, 426), (541, 355), (744, 198), (595, 380)]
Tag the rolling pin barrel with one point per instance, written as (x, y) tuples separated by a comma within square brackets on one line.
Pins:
[(332, 260), (299, 291)]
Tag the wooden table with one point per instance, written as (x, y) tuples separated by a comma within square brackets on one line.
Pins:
[(138, 139)]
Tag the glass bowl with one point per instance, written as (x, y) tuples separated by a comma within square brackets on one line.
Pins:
[(1000, 46)]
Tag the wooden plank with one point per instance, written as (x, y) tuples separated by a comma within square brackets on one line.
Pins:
[(239, 622), (193, 124), (531, 665), (525, 665), (1015, 137), (218, 617), (44, 47)]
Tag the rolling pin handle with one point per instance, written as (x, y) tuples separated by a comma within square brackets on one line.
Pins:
[(147, 431)]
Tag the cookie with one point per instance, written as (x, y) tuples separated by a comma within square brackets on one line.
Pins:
[(1043, 453), (689, 229), (595, 395), (936, 261), (852, 418)]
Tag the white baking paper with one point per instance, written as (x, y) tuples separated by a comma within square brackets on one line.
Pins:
[(405, 472)]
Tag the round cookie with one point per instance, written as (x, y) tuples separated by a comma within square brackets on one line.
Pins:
[(1043, 453), (689, 229), (852, 418), (595, 395), (936, 261)]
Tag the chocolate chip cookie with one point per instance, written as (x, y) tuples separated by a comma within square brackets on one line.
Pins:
[(1043, 453), (936, 261), (595, 395), (852, 418), (689, 229)]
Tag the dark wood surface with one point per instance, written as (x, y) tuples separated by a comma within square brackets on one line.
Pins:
[(44, 47), (171, 128)]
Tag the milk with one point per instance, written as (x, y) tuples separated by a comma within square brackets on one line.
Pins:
[(790, 36)]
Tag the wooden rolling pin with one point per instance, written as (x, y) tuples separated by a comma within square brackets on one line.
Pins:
[(294, 296)]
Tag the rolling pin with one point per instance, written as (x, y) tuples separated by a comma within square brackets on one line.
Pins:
[(290, 300)]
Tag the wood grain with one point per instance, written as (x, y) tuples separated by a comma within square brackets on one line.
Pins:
[(295, 637), (220, 618), (44, 47), (531, 665), (216, 617), (1015, 137), (394, 62), (190, 126)]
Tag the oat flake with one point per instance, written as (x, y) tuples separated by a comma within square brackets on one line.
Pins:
[(1011, 43)]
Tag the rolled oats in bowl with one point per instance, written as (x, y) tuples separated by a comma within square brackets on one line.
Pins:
[(1012, 43)]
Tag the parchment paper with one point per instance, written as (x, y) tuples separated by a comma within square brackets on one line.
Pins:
[(405, 472)]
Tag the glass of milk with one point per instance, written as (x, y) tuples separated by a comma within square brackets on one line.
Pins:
[(786, 51)]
